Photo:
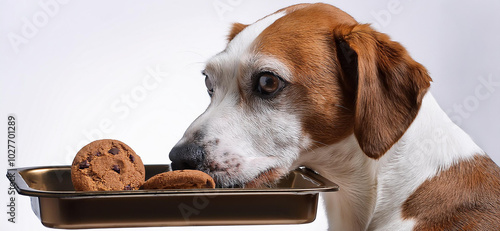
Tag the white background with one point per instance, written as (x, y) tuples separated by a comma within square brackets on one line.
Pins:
[(82, 71)]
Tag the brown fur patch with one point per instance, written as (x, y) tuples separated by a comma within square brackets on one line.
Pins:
[(464, 197), (235, 30)]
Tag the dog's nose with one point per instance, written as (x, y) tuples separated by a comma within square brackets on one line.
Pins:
[(189, 156)]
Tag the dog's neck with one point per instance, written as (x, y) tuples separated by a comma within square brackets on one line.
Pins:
[(372, 191), (345, 164)]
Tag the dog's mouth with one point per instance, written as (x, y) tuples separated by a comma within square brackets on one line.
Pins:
[(265, 179)]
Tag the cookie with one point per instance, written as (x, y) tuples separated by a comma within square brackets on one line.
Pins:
[(180, 179), (106, 165)]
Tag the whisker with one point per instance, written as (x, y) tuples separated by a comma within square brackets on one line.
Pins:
[(315, 141), (340, 106), (315, 144)]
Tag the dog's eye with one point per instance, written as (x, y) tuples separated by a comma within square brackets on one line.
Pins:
[(268, 84), (210, 88)]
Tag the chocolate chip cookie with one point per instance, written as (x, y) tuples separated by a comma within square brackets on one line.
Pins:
[(180, 179), (106, 165)]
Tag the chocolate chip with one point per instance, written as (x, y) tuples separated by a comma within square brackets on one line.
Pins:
[(127, 187), (84, 164), (116, 168), (114, 151), (132, 158), (98, 153)]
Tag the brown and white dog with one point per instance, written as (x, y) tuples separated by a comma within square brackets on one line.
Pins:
[(309, 86)]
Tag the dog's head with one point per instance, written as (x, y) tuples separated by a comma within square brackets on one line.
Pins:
[(304, 77)]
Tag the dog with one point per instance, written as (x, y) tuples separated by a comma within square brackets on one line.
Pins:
[(309, 86)]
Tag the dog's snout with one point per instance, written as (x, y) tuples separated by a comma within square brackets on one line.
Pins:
[(188, 156)]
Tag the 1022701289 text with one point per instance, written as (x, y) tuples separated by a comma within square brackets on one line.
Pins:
[(11, 162)]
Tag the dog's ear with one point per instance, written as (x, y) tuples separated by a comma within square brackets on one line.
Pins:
[(235, 30), (388, 86)]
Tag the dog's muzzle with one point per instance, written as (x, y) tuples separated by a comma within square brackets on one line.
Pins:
[(187, 156)]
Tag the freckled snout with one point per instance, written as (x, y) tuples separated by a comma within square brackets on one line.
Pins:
[(187, 156)]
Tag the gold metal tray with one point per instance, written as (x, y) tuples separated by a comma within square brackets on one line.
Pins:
[(53, 199)]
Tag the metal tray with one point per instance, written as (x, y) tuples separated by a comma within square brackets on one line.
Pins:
[(53, 199)]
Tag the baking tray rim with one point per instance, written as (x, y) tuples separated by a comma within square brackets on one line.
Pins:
[(23, 188)]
